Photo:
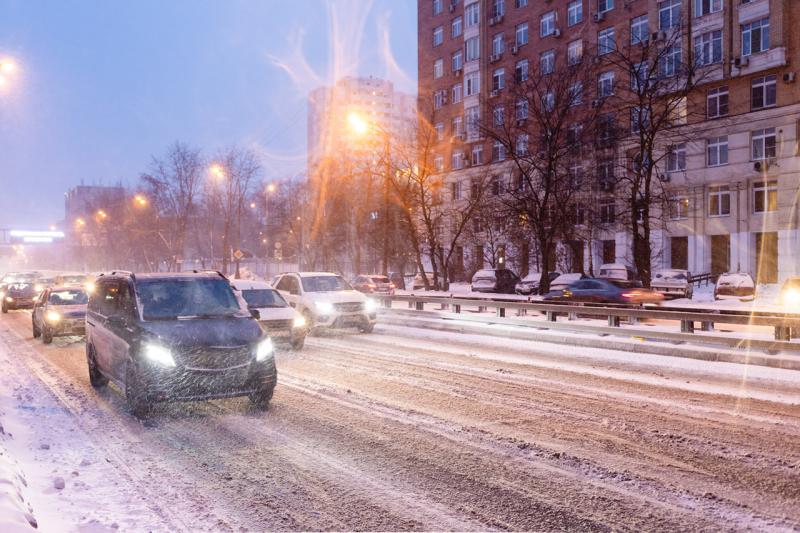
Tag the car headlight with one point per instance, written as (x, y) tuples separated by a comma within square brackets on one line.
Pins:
[(324, 308), (264, 350), (53, 316), (299, 322), (159, 354), (792, 297), (370, 305), (38, 287), (89, 286), (9, 299), (2, 295)]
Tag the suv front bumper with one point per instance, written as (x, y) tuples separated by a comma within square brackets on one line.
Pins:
[(345, 320)]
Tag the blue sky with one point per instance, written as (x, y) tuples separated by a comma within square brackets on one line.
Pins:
[(104, 85)]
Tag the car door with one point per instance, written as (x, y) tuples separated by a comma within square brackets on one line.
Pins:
[(119, 325), (39, 309), (291, 291), (96, 334)]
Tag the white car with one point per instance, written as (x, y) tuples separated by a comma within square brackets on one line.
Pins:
[(284, 324), (672, 283), (326, 300)]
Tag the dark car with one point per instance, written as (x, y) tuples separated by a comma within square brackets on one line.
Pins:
[(399, 280), (604, 291), (19, 295), (176, 337), (59, 311), (530, 283), (373, 284), (499, 280)]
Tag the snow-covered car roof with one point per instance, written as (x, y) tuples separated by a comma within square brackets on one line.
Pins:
[(314, 274), (532, 276), (569, 277), (613, 266), (737, 279)]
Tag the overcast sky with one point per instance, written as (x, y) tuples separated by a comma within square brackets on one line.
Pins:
[(104, 85)]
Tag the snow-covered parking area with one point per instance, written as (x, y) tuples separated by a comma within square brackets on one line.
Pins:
[(412, 429)]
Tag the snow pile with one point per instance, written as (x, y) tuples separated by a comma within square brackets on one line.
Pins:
[(15, 513)]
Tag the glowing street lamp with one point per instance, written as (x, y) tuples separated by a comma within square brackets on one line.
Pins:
[(101, 214), (140, 200), (7, 68), (217, 171), (357, 124), (271, 188)]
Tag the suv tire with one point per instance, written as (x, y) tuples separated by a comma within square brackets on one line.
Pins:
[(36, 331), (135, 394), (96, 378), (367, 329), (297, 344), (5, 309), (47, 335)]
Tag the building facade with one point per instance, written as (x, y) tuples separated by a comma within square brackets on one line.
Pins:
[(735, 181)]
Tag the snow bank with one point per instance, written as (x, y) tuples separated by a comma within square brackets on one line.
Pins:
[(15, 513)]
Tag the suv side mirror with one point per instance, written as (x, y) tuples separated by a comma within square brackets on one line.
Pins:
[(255, 314)]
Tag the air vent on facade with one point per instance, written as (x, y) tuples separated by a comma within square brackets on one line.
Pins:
[(599, 17), (789, 77)]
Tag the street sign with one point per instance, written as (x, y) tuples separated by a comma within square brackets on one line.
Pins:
[(238, 255)]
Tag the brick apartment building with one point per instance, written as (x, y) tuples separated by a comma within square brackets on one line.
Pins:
[(735, 181)]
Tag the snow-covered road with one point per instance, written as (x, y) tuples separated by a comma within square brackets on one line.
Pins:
[(414, 429)]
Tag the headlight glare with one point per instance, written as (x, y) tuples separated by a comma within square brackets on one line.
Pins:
[(53, 316), (324, 308), (159, 354), (299, 322), (371, 305), (264, 349), (792, 297)]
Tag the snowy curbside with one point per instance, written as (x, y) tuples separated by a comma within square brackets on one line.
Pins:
[(589, 340), (16, 514)]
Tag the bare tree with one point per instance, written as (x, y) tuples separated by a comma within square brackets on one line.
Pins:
[(173, 186)]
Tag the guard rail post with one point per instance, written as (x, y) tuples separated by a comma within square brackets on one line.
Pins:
[(501, 312), (687, 326), (782, 333), (550, 316), (456, 308), (707, 326), (613, 321), (420, 306)]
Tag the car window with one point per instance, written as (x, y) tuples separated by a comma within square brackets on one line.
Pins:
[(68, 297), (165, 299), (283, 284), (260, 298), (325, 284)]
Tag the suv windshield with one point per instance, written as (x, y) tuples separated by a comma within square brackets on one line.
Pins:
[(177, 298), (258, 298), (73, 297), (324, 284)]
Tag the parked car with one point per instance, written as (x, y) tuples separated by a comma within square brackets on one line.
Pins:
[(789, 296), (499, 280), (419, 284), (284, 324), (176, 337), (673, 283), (43, 282), (326, 300), (598, 290), (72, 278), (19, 295), (59, 311), (619, 272), (373, 284), (530, 283), (565, 280), (735, 285)]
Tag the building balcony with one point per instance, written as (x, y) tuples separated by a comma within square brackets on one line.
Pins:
[(758, 9), (772, 58)]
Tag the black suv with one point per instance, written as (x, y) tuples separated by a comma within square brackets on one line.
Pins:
[(179, 336)]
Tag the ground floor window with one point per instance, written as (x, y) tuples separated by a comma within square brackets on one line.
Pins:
[(576, 247), (609, 251), (720, 254), (679, 252), (767, 257)]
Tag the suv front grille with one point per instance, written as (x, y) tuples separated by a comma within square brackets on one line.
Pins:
[(350, 307), (216, 357), (278, 324)]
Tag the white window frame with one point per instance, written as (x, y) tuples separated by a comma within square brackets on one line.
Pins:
[(457, 93), (759, 142), (749, 37), (669, 14), (499, 79), (604, 6), (498, 44), (717, 151), (679, 207), (521, 34), (574, 12), (605, 84), (721, 194), (547, 62), (606, 42), (547, 24), (522, 70), (457, 60), (472, 83), (575, 52), (768, 189), (439, 131), (714, 97), (708, 48), (637, 25), (707, 7), (676, 158), (456, 27), (472, 49), (472, 15), (457, 160), (438, 68), (438, 36), (768, 85)]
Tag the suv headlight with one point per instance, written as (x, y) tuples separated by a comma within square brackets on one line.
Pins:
[(264, 349), (299, 322), (370, 305), (159, 354), (53, 316), (324, 308)]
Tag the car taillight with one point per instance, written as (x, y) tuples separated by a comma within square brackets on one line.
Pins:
[(392, 286), (629, 294), (371, 285)]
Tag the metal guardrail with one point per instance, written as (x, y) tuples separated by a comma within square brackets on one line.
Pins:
[(786, 326)]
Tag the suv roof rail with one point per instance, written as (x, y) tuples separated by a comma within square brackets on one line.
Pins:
[(128, 272), (210, 271)]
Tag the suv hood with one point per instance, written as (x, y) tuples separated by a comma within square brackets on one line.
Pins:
[(336, 297), (227, 332)]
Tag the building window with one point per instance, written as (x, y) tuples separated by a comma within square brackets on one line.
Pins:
[(471, 15), (520, 3), (548, 102), (438, 68), (605, 5), (498, 152), (477, 155), (521, 109), (439, 131), (498, 115), (547, 62), (472, 83), (498, 8), (457, 60), (605, 41), (717, 102), (640, 30), (473, 48), (607, 212), (669, 14), (574, 52), (574, 12), (455, 189), (765, 196), (755, 37), (522, 144), (498, 79), (457, 92), (521, 34), (671, 60), (679, 207), (472, 117), (708, 48), (547, 24), (717, 151), (457, 125), (719, 201), (605, 84), (764, 144), (438, 35), (639, 118), (457, 160), (763, 92), (521, 70), (439, 99), (438, 163), (498, 45), (640, 77), (576, 93), (456, 27), (706, 7), (676, 158), (437, 6)]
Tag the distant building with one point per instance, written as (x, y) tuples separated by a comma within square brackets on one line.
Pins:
[(84, 201)]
